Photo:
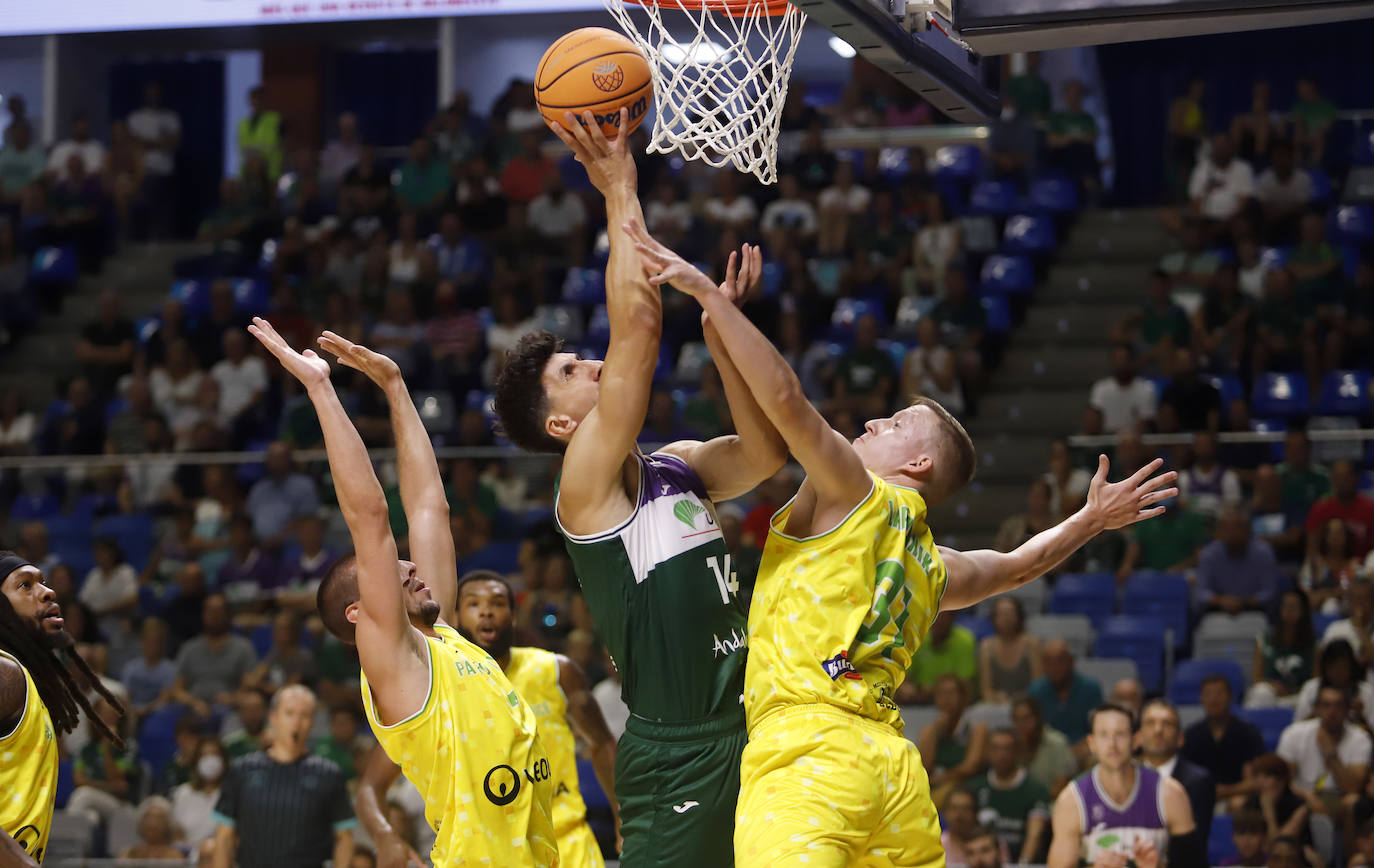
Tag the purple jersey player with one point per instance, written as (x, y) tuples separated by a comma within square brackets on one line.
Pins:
[(1121, 814)]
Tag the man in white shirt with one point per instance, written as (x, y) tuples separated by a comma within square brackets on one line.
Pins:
[(1283, 191), (158, 129), (789, 213), (730, 209), (1221, 184), (1124, 399), (341, 154), (844, 196), (1358, 629), (92, 152), (1328, 757), (557, 215), (242, 378)]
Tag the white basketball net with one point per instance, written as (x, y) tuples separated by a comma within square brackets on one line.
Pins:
[(721, 107)]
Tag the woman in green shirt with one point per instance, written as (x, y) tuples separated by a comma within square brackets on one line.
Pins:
[(1283, 656)]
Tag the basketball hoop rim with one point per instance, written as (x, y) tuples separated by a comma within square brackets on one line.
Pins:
[(730, 8)]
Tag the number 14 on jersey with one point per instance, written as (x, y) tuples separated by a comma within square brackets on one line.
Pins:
[(726, 577)]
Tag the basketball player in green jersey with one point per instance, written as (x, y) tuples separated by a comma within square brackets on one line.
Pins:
[(642, 534)]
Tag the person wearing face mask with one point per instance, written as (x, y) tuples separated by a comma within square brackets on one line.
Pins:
[(193, 802)]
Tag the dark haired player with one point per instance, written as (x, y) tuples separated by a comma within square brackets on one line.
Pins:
[(849, 584), (437, 704), (642, 534), (1122, 813), (555, 687), (43, 686)]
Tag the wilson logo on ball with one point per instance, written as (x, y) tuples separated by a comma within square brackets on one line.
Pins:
[(608, 76)]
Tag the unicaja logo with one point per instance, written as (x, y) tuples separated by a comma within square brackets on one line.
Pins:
[(608, 76)]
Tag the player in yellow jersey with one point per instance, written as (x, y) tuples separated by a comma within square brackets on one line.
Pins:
[(555, 687), (438, 704), (850, 581), (41, 699)]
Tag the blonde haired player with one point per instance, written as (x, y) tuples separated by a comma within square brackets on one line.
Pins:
[(437, 703), (850, 581)]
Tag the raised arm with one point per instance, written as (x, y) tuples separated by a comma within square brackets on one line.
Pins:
[(370, 806), (383, 627), (734, 464), (603, 440), (833, 467), (422, 488), (1066, 832), (974, 576)]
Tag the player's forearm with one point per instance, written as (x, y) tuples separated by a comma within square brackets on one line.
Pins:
[(758, 438), (422, 488), (224, 848), (770, 379), (603, 764), (632, 304), (359, 493), (367, 805), (343, 848)]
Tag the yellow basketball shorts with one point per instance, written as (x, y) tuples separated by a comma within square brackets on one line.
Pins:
[(577, 848), (825, 788)]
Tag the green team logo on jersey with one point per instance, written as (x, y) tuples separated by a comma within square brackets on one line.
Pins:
[(686, 512)]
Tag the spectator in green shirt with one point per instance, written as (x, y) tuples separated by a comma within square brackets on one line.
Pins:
[(1072, 140), (246, 736), (344, 741), (423, 180), (20, 164), (1157, 327), (1011, 801), (1315, 264), (1031, 92), (1313, 115), (947, 648), (1170, 542), (866, 374), (1303, 482), (1285, 332)]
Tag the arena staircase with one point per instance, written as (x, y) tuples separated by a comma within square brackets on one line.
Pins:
[(45, 356), (1041, 388)]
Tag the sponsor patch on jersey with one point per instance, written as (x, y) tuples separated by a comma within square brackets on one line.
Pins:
[(840, 667)]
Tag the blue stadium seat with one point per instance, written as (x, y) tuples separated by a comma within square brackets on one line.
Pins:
[(1138, 638), (1221, 844), (502, 557), (1228, 386), (592, 793), (997, 198), (133, 532), (66, 781), (1163, 595), (1091, 594), (1321, 185), (848, 311), (1027, 233), (194, 296), (69, 530), (1322, 620), (959, 162), (1266, 426), (1271, 722), (1280, 394), (1186, 685), (1351, 256), (268, 256), (1275, 257), (53, 265), (35, 507), (1159, 384), (772, 279), (157, 742), (114, 407), (1352, 224), (145, 327), (76, 554), (1006, 274), (599, 325), (584, 286), (1223, 255), (979, 626), (1053, 194), (1344, 393), (998, 313), (261, 637), (897, 350), (91, 505), (251, 296)]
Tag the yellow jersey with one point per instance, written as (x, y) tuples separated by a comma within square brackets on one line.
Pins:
[(836, 617), (473, 753), (28, 773)]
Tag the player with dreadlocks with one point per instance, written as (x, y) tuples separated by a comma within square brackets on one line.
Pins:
[(39, 692)]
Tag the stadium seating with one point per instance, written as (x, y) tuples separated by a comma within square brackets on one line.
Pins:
[(1220, 842), (1352, 224), (995, 714), (995, 198), (1091, 594), (1006, 275), (1185, 686), (1107, 671), (979, 626), (1271, 722), (958, 162), (1076, 630), (35, 507), (1031, 234), (1344, 393), (1138, 638), (1164, 595), (1053, 194), (1280, 394)]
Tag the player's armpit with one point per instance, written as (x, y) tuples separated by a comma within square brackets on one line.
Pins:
[(13, 693)]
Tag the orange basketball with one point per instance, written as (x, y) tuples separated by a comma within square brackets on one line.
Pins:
[(598, 69)]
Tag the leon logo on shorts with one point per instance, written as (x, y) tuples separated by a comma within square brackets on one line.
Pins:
[(839, 666)]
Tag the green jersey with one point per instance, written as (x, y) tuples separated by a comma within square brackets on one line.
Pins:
[(1009, 809), (664, 592)]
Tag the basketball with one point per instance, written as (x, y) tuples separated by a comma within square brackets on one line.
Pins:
[(598, 69)]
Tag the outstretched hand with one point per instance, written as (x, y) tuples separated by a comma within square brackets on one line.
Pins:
[(379, 368), (608, 161), (663, 265), (307, 367), (1136, 498)]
